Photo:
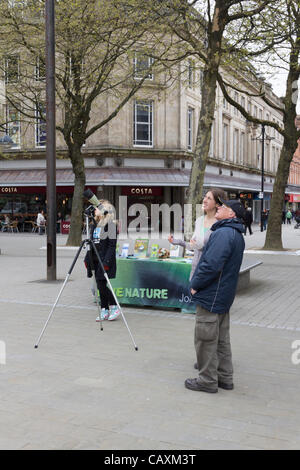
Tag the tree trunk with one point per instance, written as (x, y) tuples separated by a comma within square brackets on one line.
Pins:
[(203, 139), (208, 99), (274, 236), (75, 234)]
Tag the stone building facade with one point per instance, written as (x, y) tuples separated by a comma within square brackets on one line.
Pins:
[(146, 151)]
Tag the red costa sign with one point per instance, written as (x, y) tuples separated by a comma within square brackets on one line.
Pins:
[(142, 191), (64, 227)]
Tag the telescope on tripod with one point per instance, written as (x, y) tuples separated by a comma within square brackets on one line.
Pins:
[(89, 244)]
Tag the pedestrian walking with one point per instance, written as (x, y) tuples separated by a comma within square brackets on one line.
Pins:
[(213, 288), (288, 217), (41, 222), (264, 219), (248, 220)]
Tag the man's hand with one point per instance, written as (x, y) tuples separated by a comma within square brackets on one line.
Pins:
[(193, 292)]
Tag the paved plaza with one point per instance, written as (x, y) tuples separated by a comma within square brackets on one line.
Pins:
[(89, 389)]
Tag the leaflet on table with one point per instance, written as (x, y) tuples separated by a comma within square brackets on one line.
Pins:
[(188, 253), (154, 250), (141, 247), (175, 250), (177, 260)]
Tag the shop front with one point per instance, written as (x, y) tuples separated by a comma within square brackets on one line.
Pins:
[(257, 199), (140, 200), (246, 198), (294, 201), (17, 201), (23, 203), (23, 192)]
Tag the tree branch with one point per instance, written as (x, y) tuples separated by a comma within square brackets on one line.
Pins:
[(247, 115)]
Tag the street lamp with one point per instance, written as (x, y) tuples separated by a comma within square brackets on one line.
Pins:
[(50, 140), (262, 137), (6, 142)]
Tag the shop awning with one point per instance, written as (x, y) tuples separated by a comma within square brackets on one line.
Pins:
[(137, 177), (33, 177), (132, 177), (99, 176), (237, 182)]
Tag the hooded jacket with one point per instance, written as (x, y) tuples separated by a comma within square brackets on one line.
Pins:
[(216, 276), (105, 241)]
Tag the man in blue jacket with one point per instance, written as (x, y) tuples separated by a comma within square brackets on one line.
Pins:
[(213, 287)]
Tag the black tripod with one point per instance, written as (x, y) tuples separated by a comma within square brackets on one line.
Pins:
[(90, 245)]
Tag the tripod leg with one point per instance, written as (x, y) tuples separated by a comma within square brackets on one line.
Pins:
[(95, 283), (60, 292), (112, 291), (119, 307), (97, 300)]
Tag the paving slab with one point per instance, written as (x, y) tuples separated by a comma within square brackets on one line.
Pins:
[(84, 388)]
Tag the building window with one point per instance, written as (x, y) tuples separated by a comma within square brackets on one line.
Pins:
[(201, 79), (212, 137), (273, 161), (191, 71), (236, 146), (267, 156), (190, 119), (236, 98), (13, 125), (141, 64), (225, 141), (11, 67), (40, 70), (242, 148), (40, 126), (225, 104), (243, 104), (143, 123)]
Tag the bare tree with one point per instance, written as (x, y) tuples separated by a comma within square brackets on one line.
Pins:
[(282, 24), (205, 26), (95, 47)]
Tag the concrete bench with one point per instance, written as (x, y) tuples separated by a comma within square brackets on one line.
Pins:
[(244, 275)]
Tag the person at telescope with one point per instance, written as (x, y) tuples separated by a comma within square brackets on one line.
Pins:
[(104, 235)]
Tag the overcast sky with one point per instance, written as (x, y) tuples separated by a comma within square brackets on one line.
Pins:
[(279, 84)]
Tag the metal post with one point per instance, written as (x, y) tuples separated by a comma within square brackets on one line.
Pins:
[(262, 176), (50, 140)]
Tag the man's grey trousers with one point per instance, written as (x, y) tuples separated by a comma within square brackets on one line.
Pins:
[(213, 349)]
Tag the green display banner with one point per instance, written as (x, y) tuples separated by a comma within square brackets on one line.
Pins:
[(153, 282)]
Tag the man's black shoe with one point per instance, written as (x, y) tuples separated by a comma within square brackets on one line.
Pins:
[(193, 384), (225, 386)]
